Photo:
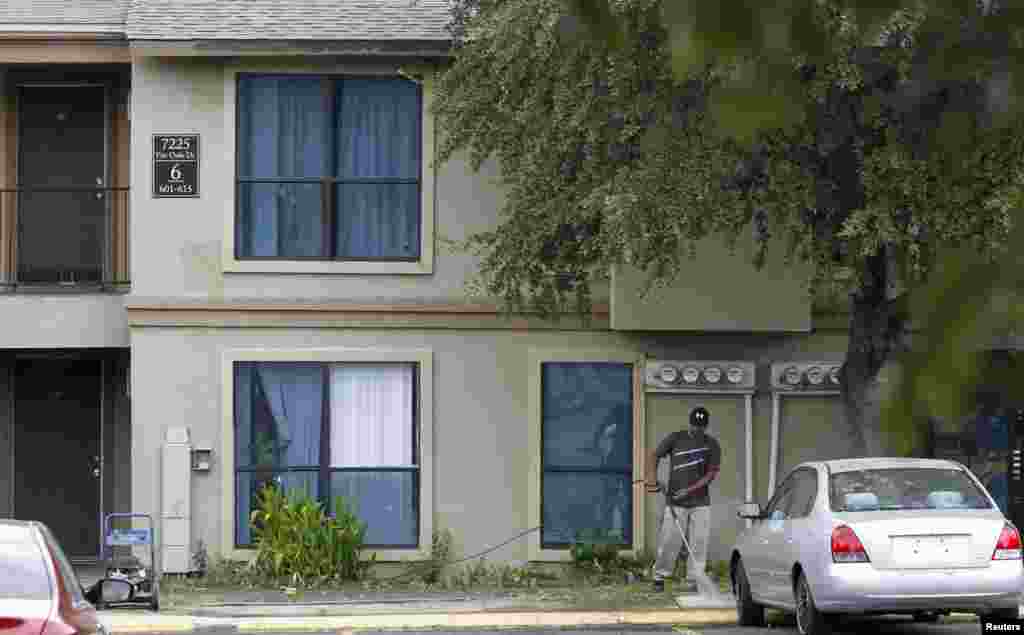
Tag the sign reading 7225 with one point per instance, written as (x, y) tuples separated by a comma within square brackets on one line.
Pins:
[(176, 166)]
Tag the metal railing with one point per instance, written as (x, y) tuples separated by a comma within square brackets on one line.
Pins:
[(64, 238)]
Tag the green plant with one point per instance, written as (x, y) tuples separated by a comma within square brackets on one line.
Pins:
[(296, 540), (266, 449), (440, 556), (596, 549), (200, 558)]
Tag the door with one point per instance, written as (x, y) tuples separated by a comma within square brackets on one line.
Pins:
[(764, 534), (57, 449), (62, 149)]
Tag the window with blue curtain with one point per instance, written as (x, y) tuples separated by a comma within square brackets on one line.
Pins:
[(587, 453), (338, 429), (328, 168)]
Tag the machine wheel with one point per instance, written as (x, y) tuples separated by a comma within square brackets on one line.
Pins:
[(749, 612), (809, 621), (1000, 615)]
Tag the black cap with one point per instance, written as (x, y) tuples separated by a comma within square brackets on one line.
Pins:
[(700, 417)]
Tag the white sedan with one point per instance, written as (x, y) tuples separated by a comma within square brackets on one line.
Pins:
[(874, 536)]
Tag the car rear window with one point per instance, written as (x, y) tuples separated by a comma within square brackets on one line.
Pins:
[(903, 489), (23, 571)]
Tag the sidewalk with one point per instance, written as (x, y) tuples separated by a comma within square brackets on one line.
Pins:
[(409, 611)]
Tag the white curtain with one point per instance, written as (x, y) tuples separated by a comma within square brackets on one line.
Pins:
[(371, 415)]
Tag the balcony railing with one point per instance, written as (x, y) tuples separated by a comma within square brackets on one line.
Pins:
[(64, 238)]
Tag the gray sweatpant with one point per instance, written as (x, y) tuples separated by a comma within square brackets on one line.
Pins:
[(694, 521)]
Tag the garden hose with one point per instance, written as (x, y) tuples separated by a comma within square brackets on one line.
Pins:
[(418, 567)]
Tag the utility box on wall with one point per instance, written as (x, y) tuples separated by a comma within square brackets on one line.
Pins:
[(176, 506)]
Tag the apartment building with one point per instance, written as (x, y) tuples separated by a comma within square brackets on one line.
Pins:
[(224, 216)]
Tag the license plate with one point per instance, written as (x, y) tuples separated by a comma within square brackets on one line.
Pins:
[(917, 552)]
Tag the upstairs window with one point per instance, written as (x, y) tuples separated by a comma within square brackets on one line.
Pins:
[(328, 168)]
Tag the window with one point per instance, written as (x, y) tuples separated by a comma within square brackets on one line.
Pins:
[(332, 429), (805, 489), (67, 572), (587, 452), (905, 488), (779, 503), (328, 168)]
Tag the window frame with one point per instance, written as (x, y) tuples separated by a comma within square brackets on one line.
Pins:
[(803, 472), (422, 360), (324, 470), (423, 264), (538, 357)]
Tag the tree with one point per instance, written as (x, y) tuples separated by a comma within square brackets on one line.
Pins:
[(871, 140)]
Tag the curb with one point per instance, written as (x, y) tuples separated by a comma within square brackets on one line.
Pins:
[(151, 623)]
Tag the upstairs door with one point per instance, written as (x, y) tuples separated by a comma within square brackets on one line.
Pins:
[(62, 159)]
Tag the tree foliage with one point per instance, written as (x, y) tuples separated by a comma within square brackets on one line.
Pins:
[(869, 137)]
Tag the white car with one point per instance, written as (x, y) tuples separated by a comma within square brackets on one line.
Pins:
[(874, 536)]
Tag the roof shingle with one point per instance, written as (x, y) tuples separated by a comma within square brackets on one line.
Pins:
[(62, 12), (359, 20)]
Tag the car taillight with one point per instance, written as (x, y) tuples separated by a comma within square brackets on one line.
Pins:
[(1008, 546), (10, 622), (846, 546)]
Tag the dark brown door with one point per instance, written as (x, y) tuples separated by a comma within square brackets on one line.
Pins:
[(62, 228), (57, 449)]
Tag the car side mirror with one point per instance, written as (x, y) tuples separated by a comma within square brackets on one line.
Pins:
[(110, 591), (749, 510)]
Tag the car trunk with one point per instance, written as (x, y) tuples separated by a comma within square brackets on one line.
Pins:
[(927, 539)]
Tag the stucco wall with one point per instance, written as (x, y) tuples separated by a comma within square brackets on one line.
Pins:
[(481, 421), (177, 244), (63, 321)]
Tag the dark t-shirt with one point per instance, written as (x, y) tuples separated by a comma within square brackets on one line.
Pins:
[(690, 459)]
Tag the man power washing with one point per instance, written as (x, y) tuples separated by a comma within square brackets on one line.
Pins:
[(695, 459)]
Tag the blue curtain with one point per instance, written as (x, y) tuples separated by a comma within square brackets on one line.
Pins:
[(587, 450), (284, 133), (284, 402), (378, 138)]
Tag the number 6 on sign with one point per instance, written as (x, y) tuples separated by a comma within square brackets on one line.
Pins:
[(175, 173)]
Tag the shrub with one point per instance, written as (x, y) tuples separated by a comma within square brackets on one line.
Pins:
[(297, 540)]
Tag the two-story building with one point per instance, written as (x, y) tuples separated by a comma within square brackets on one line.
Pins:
[(225, 216)]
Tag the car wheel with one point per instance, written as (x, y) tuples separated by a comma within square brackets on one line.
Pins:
[(809, 621), (749, 612), (926, 617)]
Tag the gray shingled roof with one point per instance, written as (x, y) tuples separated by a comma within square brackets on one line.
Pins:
[(63, 12), (167, 20)]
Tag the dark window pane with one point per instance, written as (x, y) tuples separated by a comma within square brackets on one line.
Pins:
[(385, 501), (279, 414), (905, 488), (580, 504), (378, 221), (23, 572), (248, 486), (283, 127), (378, 128), (587, 426), (587, 415), (280, 220), (71, 583)]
